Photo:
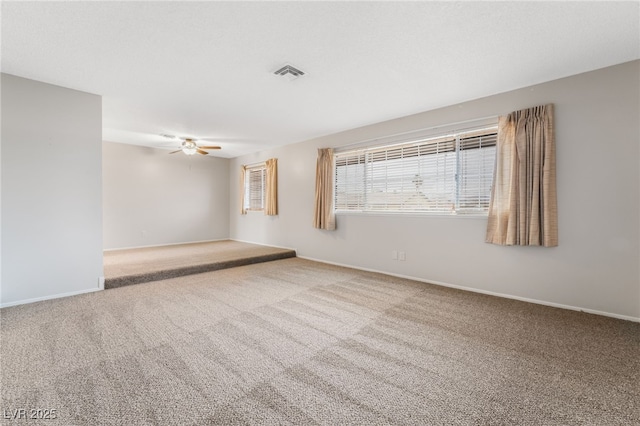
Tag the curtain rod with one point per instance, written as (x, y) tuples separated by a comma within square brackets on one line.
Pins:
[(417, 130), (255, 164)]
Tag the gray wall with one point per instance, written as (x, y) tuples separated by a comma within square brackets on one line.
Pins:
[(51, 191), (151, 197), (595, 266)]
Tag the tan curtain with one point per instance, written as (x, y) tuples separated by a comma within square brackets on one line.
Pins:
[(523, 209), (271, 190), (324, 218), (243, 172)]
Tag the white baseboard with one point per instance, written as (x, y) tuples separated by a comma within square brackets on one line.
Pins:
[(266, 245), (168, 244), (490, 293), (55, 296)]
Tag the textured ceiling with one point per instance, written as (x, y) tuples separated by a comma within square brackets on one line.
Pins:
[(205, 69)]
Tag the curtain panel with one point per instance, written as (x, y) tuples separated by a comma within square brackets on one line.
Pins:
[(243, 172), (271, 190), (523, 208), (324, 217)]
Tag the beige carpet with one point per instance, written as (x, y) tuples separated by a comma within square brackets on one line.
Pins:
[(135, 266), (298, 342)]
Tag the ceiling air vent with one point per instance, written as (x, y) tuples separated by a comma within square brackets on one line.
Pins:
[(289, 71)]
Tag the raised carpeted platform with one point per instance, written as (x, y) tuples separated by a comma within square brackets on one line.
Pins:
[(135, 266)]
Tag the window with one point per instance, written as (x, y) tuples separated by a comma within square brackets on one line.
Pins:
[(254, 187), (451, 174)]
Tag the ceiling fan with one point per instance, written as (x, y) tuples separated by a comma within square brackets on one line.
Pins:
[(189, 147)]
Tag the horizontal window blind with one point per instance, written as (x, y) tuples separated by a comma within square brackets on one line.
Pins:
[(254, 185), (449, 174), (477, 159)]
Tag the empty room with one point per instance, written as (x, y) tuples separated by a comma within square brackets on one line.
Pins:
[(320, 213)]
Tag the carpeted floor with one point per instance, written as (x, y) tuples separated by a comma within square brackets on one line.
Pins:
[(135, 266), (298, 342)]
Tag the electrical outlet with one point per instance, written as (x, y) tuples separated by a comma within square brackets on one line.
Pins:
[(394, 255), (143, 234), (402, 256)]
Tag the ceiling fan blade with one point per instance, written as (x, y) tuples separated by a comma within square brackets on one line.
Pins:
[(173, 152), (202, 152), (209, 147)]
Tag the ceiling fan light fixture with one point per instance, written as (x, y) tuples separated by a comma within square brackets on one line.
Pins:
[(189, 147)]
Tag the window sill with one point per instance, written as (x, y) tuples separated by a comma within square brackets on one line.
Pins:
[(414, 214)]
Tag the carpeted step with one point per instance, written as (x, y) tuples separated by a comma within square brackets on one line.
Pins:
[(120, 281)]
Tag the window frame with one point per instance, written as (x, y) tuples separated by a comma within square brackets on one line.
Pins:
[(459, 143), (250, 189)]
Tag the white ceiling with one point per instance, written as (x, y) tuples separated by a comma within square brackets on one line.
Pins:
[(205, 69)]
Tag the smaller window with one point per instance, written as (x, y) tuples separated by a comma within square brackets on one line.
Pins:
[(254, 187)]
